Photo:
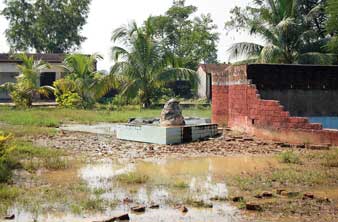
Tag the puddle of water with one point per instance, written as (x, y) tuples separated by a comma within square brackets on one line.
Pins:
[(203, 178)]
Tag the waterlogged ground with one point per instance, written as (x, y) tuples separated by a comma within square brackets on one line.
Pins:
[(214, 179), (194, 182)]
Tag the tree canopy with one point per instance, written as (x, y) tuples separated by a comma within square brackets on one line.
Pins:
[(145, 65), (44, 25), (332, 24), (293, 31), (193, 40)]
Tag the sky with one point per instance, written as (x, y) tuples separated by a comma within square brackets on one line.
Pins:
[(107, 15)]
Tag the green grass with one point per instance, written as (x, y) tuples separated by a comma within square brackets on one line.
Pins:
[(33, 157), (132, 178), (289, 157), (330, 159), (53, 117), (180, 184)]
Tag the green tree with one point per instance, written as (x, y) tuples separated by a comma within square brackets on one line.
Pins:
[(289, 36), (27, 85), (83, 79), (144, 63), (191, 40), (44, 25), (332, 24)]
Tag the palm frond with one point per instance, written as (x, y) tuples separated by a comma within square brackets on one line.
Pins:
[(119, 53), (179, 74), (271, 54), (246, 49), (7, 87)]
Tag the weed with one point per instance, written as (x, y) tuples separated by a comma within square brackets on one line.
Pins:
[(330, 159), (32, 157), (93, 204), (289, 157), (132, 178), (180, 184), (294, 176), (197, 203), (99, 191), (243, 183), (8, 193)]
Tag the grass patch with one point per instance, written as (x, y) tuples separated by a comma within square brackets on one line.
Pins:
[(133, 178), (289, 157), (8, 195), (53, 117), (26, 130), (197, 203), (33, 157), (299, 177), (330, 159), (180, 184)]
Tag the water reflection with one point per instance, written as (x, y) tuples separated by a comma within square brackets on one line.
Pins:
[(198, 179)]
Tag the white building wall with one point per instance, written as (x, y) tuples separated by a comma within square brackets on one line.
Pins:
[(202, 86), (8, 72)]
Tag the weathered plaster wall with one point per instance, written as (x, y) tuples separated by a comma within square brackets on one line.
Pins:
[(202, 86), (238, 104), (8, 72)]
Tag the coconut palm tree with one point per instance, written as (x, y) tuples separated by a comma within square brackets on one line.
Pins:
[(27, 85), (90, 84), (287, 36), (144, 64)]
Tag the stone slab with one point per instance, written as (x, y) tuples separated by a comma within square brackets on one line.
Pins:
[(166, 135)]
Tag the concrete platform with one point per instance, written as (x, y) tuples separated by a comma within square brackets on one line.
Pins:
[(166, 135)]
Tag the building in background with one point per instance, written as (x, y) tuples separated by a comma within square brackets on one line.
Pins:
[(9, 70), (205, 72)]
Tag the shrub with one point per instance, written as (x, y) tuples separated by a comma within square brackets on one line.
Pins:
[(289, 157), (21, 99), (66, 95), (119, 101)]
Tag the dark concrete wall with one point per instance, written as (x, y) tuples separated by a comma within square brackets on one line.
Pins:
[(302, 90), (305, 102)]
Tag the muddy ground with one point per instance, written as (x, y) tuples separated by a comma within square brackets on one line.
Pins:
[(302, 191)]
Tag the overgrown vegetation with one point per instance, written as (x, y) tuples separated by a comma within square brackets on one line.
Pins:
[(330, 159), (16, 154), (54, 117), (26, 87), (83, 85), (132, 178), (289, 157), (145, 72)]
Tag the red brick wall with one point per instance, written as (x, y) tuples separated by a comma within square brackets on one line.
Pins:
[(220, 105), (237, 103)]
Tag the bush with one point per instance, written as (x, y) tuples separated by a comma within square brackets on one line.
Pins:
[(69, 100), (289, 157), (21, 99), (119, 101), (66, 95)]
